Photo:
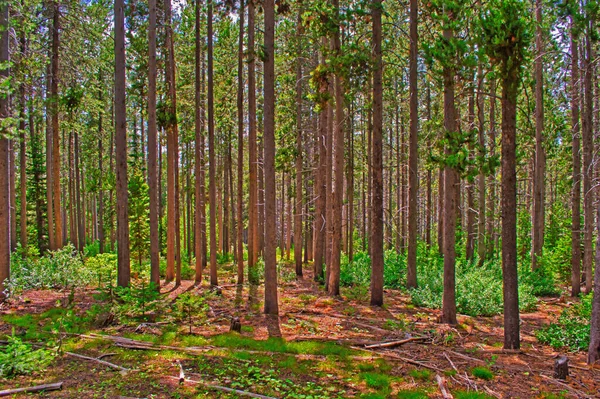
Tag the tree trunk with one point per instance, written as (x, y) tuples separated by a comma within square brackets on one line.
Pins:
[(240, 156), (23, 162), (481, 244), (576, 154), (537, 223), (376, 242), (298, 202), (588, 169), (271, 303), (413, 163), (58, 223), (121, 148), (252, 154), (211, 153), (450, 198), (510, 85), (470, 208), (594, 348), (152, 151), (333, 286), (4, 162), (492, 200)]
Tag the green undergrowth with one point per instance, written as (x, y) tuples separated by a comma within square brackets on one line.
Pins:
[(571, 329)]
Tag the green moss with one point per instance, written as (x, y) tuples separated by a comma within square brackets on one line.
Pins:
[(376, 380), (471, 395)]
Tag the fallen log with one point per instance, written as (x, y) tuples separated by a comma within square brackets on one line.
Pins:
[(442, 385), (226, 389), (393, 344), (37, 388), (181, 373), (93, 359)]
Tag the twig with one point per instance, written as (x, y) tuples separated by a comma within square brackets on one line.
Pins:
[(393, 344), (467, 357), (106, 355), (451, 363), (493, 393), (93, 359), (38, 388), (442, 385), (226, 389)]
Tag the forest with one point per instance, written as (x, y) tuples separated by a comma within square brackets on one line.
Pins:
[(300, 199)]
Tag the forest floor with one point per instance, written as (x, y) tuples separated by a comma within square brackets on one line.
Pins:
[(318, 347)]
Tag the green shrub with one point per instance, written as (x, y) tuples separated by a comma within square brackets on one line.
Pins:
[(376, 380), (63, 268), (138, 300), (104, 266), (19, 357), (189, 307), (572, 329), (421, 375), (410, 394)]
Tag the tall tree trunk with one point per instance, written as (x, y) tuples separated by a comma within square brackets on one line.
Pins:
[(78, 196), (451, 181), (23, 161), (252, 153), (492, 200), (333, 286), (58, 223), (100, 170), (154, 199), (588, 169), (413, 163), (123, 270), (576, 154), (4, 162), (271, 302), (537, 224), (470, 208), (240, 156), (376, 242), (298, 200), (211, 153), (49, 163), (481, 245), (199, 226), (510, 85)]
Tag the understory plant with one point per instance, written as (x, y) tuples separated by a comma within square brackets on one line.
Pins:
[(19, 358), (572, 328)]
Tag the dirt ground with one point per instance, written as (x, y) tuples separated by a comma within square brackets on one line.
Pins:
[(307, 314)]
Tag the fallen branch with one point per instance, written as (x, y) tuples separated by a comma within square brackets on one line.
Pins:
[(467, 357), (181, 373), (226, 389), (93, 359), (106, 355), (451, 363), (442, 385), (393, 344), (38, 388), (579, 393), (492, 393)]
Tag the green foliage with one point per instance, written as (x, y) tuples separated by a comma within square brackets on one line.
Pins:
[(63, 268), (410, 394), (420, 375), (188, 307), (138, 300), (572, 329), (104, 266), (471, 395), (19, 358), (478, 289), (139, 213), (482, 372), (376, 380)]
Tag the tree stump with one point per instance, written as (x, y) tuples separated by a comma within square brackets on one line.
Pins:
[(561, 368), (235, 325)]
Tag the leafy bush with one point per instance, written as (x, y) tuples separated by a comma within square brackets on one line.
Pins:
[(19, 357), (138, 300), (572, 329), (63, 268), (104, 268), (483, 373)]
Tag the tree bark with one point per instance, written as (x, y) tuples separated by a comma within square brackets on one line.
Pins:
[(4, 161), (271, 302), (123, 270), (152, 150), (376, 242), (413, 163), (252, 153), (240, 156), (333, 286), (211, 153), (588, 169), (58, 223), (537, 224), (576, 154), (298, 202)]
